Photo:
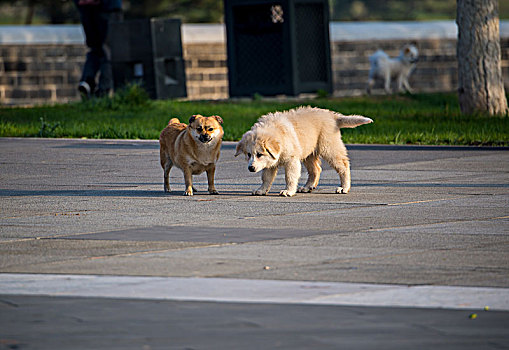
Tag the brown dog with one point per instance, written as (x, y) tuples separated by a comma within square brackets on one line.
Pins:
[(193, 149)]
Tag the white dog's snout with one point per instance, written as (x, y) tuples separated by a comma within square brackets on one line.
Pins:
[(250, 166)]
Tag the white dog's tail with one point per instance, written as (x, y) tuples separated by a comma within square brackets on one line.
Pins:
[(351, 121)]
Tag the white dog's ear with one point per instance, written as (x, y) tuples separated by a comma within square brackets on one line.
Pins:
[(240, 148), (273, 148)]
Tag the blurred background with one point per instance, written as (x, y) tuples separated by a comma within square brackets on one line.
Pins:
[(211, 11), (42, 49)]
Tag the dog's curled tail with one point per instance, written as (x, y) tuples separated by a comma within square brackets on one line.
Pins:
[(352, 121), (173, 120)]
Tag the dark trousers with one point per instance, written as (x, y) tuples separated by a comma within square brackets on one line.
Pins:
[(95, 25)]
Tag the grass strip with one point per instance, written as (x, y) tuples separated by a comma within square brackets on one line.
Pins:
[(424, 119)]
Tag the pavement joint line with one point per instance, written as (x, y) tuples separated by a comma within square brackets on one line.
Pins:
[(371, 257), (436, 223), (18, 240), (57, 236), (255, 291), (357, 206), (196, 245), (411, 253), (423, 201)]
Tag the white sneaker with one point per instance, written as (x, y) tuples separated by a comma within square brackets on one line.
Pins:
[(84, 89)]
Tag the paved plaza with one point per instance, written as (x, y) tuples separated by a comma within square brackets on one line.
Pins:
[(94, 255)]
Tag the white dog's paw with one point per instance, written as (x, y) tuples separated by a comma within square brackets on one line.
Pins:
[(342, 190), (259, 193), (287, 193), (305, 189)]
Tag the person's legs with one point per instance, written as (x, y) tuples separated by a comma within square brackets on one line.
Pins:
[(105, 72), (105, 75), (95, 26)]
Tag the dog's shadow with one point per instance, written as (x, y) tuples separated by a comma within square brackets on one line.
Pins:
[(115, 193)]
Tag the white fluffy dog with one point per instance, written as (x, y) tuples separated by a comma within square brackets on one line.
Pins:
[(385, 68), (302, 134)]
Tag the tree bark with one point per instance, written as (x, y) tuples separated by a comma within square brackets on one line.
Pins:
[(480, 80), (30, 12)]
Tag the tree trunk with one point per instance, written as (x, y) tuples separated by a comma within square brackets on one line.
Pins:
[(30, 12), (480, 80)]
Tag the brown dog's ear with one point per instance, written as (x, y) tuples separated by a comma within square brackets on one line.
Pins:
[(192, 119), (218, 118)]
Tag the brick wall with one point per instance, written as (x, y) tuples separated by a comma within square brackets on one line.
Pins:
[(37, 73), (206, 70)]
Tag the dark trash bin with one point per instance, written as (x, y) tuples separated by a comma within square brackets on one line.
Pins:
[(149, 52), (278, 47)]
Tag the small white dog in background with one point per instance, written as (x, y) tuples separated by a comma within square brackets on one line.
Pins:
[(385, 68)]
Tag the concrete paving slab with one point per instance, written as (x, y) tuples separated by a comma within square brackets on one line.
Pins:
[(405, 201), (255, 291), (19, 255), (381, 257), (118, 312), (89, 323), (194, 234), (431, 223)]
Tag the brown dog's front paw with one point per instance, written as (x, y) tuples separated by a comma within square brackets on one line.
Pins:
[(213, 192), (188, 193), (305, 189)]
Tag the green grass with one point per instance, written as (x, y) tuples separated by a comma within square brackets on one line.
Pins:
[(427, 119)]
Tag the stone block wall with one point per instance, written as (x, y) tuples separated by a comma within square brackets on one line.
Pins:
[(206, 71), (32, 72), (40, 74)]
